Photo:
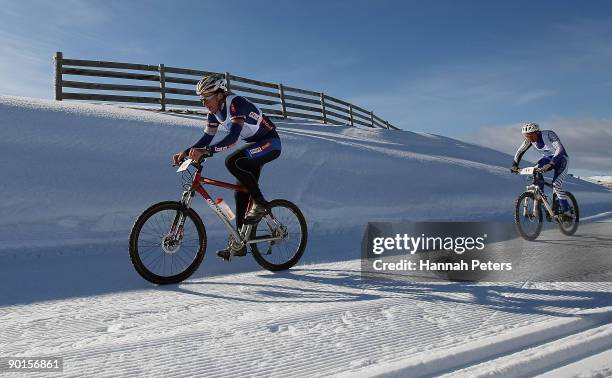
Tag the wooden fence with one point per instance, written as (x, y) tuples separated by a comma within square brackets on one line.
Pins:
[(166, 83)]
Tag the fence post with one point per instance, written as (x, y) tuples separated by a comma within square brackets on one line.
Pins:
[(227, 80), (323, 107), (372, 118), (281, 93), (57, 80), (351, 114), (162, 87)]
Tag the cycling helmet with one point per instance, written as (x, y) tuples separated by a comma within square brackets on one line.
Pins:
[(211, 83), (530, 128)]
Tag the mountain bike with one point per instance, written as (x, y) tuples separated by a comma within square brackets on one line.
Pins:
[(168, 240), (528, 213)]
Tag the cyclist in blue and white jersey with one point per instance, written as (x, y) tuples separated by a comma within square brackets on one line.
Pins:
[(554, 158), (242, 119)]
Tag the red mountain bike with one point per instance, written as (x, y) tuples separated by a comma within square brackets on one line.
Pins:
[(168, 240)]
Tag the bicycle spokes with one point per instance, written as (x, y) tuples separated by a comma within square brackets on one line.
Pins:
[(168, 243), (282, 234)]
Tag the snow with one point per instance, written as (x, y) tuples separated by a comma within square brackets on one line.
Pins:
[(597, 365), (76, 176), (311, 321), (82, 172), (602, 180)]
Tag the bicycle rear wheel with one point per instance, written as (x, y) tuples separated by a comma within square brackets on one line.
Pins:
[(287, 222), (528, 216), (161, 251), (569, 226)]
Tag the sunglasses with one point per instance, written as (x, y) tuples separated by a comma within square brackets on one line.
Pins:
[(206, 98)]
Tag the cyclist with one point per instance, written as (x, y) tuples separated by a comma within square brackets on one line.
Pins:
[(554, 157), (244, 120)]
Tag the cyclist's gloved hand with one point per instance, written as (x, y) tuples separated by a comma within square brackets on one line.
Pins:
[(547, 167), (197, 154), (514, 168), (178, 158), (208, 151)]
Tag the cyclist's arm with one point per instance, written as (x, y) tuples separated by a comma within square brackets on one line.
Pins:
[(521, 151), (231, 138), (209, 134), (559, 149)]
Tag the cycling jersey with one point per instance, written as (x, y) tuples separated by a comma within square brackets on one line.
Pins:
[(263, 146), (256, 127), (548, 144)]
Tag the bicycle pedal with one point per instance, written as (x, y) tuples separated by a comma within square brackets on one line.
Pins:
[(226, 258)]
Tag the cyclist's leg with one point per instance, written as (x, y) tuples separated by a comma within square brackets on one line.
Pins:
[(559, 176), (242, 201), (248, 168), (542, 162), (246, 165), (241, 198)]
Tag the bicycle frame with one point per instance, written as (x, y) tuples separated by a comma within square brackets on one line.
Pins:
[(238, 239), (540, 195)]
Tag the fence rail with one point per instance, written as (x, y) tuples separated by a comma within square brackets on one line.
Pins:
[(285, 101)]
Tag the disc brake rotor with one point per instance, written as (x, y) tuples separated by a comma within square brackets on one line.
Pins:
[(170, 244)]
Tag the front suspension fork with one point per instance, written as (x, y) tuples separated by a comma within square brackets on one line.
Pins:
[(178, 225)]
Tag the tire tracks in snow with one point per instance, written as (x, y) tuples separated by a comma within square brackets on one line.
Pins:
[(314, 321)]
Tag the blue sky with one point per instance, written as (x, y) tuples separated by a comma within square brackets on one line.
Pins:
[(446, 67)]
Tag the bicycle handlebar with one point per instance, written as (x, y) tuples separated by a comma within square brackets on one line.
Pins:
[(534, 174), (526, 171), (196, 164)]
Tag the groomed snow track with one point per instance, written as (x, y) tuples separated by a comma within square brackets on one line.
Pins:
[(316, 320)]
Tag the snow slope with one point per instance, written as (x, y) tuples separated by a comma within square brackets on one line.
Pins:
[(601, 180), (80, 173), (76, 175)]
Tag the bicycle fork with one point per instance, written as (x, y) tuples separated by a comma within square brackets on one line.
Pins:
[(539, 197), (175, 236)]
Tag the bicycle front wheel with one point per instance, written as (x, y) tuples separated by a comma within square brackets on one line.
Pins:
[(167, 243), (528, 216), (286, 222)]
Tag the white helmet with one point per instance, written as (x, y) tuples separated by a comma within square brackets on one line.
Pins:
[(530, 128), (211, 83)]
